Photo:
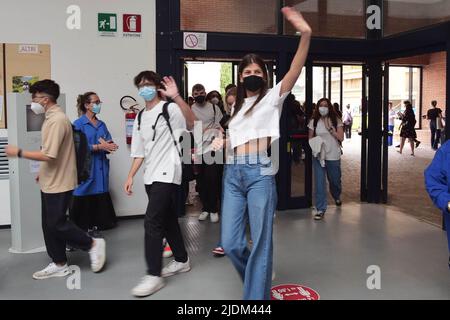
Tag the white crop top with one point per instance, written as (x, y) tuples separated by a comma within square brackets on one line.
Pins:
[(263, 121)]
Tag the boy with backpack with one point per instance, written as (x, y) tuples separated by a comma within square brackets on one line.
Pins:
[(347, 119), (57, 179), (154, 145)]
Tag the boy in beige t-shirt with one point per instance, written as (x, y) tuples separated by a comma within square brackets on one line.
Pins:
[(57, 179)]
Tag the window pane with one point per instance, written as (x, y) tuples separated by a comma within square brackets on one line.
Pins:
[(352, 95), (406, 15), (336, 85), (299, 90), (416, 93), (318, 83), (400, 90), (229, 16), (331, 18)]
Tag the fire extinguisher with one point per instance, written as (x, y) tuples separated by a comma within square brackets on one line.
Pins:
[(130, 115)]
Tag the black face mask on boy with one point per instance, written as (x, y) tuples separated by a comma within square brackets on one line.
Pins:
[(200, 99)]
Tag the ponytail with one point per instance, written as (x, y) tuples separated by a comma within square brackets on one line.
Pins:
[(82, 100)]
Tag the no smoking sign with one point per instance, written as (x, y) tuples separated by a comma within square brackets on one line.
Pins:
[(194, 41)]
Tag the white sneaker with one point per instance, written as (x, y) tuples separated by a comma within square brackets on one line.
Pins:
[(203, 216), (214, 217), (148, 286), (98, 255), (175, 267), (52, 270)]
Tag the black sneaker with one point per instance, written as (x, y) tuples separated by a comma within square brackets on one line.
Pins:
[(69, 248), (338, 203), (417, 143), (94, 233), (319, 215)]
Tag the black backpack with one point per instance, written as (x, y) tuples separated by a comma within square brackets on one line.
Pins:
[(165, 115), (83, 155)]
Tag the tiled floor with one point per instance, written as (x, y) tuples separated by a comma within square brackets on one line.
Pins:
[(331, 256)]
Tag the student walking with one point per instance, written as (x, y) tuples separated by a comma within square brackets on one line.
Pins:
[(408, 130), (435, 117), (392, 116), (208, 177), (57, 179), (325, 136), (156, 130), (249, 188), (347, 119)]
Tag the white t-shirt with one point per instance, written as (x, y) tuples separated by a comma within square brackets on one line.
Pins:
[(210, 120), (162, 162), (392, 116), (263, 121), (332, 147)]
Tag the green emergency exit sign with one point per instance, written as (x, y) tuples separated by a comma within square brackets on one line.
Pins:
[(107, 22)]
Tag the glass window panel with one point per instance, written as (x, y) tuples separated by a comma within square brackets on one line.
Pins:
[(336, 85), (298, 168), (352, 92), (415, 93), (331, 18), (229, 16), (318, 83), (299, 90), (407, 15)]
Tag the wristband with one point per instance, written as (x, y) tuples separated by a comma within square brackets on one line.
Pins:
[(19, 153), (176, 96)]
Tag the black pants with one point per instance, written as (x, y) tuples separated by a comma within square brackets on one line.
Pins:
[(96, 210), (161, 221), (209, 180), (435, 135), (348, 130), (58, 231)]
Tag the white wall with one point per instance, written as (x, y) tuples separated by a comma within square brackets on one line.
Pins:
[(81, 60)]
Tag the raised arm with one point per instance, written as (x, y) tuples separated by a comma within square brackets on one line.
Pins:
[(171, 91), (300, 24)]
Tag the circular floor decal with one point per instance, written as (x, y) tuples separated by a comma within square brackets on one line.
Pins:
[(294, 292)]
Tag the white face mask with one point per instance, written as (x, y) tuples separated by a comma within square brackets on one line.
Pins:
[(215, 101), (323, 111), (37, 108)]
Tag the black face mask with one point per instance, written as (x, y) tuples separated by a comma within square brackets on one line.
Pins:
[(200, 99), (253, 83)]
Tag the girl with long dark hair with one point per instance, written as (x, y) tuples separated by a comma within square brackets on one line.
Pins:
[(249, 188), (327, 125)]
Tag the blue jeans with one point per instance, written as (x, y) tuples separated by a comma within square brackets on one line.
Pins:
[(447, 227), (332, 171), (391, 138), (249, 195)]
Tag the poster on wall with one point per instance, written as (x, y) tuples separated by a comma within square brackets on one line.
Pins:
[(23, 83)]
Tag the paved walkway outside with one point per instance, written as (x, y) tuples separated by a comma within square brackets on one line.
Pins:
[(406, 180)]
